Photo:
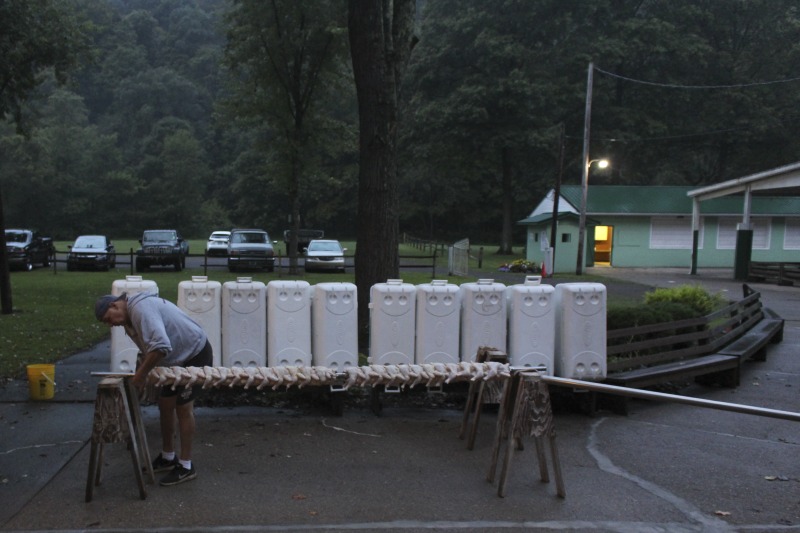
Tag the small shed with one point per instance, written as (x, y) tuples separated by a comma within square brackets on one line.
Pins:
[(651, 226)]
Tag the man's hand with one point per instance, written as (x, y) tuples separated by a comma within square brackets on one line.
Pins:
[(144, 367)]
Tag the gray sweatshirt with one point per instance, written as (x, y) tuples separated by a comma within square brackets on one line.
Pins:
[(159, 325)]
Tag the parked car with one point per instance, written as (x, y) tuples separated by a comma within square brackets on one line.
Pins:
[(324, 254), (218, 243), (94, 252), (25, 247), (162, 247), (250, 249)]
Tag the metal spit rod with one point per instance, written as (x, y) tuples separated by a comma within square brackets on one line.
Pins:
[(612, 389), (661, 396)]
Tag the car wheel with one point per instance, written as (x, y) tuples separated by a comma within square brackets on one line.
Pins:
[(46, 262), (70, 267), (178, 266), (28, 266), (140, 266)]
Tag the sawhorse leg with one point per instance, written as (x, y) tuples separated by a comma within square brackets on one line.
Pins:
[(138, 426), (475, 396)]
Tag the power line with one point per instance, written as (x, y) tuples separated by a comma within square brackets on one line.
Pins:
[(663, 137), (676, 86)]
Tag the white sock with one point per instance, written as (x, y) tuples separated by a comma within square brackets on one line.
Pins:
[(167, 456), (186, 464)]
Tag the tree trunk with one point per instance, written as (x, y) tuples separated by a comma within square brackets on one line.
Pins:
[(294, 194), (380, 45), (5, 278), (506, 247)]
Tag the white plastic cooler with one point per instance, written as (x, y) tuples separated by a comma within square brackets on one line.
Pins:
[(483, 317), (123, 349), (202, 301), (288, 323), (580, 331), (244, 323), (531, 324), (391, 322), (334, 319), (438, 322)]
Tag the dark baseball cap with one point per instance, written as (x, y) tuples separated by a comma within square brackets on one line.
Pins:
[(102, 304)]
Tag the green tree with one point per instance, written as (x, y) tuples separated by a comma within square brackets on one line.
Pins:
[(37, 35), (485, 95), (678, 130), (51, 175), (286, 55), (177, 192)]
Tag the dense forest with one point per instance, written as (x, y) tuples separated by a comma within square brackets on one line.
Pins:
[(173, 120)]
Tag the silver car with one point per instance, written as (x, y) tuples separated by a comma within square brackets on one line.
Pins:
[(218, 243), (324, 254)]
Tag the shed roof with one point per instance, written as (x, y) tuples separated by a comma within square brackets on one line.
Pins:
[(534, 219), (669, 200)]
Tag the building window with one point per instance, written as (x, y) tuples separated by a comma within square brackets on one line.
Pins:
[(566, 237), (726, 233), (673, 233), (791, 237)]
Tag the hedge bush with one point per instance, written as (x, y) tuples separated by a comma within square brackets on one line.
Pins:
[(665, 305), (693, 296)]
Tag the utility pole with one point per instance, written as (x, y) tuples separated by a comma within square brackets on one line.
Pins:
[(557, 197), (587, 119)]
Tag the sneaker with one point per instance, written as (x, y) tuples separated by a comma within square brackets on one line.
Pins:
[(179, 474), (162, 465)]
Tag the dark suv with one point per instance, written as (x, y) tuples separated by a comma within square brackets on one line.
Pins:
[(162, 247), (250, 249), (25, 248)]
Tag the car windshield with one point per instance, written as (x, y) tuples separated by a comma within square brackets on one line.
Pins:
[(219, 237), (324, 247), (92, 241), (159, 236), (252, 237), (15, 236)]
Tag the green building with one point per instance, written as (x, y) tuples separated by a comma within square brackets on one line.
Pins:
[(651, 226)]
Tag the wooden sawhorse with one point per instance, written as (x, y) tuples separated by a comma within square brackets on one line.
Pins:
[(117, 419), (480, 392), (525, 410)]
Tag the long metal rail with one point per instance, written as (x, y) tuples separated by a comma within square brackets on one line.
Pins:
[(664, 397)]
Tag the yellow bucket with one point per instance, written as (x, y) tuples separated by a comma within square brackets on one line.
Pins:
[(41, 381)]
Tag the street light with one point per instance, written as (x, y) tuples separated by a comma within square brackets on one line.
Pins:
[(601, 163)]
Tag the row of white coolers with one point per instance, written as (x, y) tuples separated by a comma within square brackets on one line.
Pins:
[(560, 330)]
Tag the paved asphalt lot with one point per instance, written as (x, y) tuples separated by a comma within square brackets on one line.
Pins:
[(664, 467)]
